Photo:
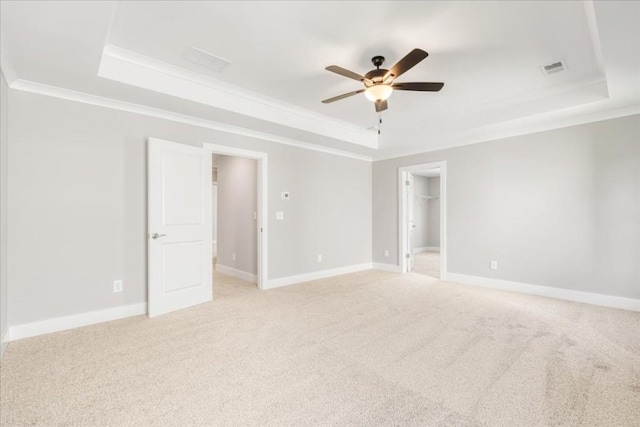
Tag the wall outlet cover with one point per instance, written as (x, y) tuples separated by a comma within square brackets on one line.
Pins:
[(279, 215), (117, 286), (493, 265)]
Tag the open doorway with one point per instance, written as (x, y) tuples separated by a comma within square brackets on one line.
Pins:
[(238, 191), (422, 219), (234, 217)]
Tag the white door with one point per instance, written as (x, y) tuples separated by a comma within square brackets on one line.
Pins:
[(410, 221), (179, 221)]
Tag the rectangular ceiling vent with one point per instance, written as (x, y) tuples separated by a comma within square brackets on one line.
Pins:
[(205, 59), (554, 68)]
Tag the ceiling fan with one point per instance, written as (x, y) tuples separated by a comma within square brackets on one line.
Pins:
[(379, 83)]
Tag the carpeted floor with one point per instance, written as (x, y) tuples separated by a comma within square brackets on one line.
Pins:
[(370, 348), (427, 263)]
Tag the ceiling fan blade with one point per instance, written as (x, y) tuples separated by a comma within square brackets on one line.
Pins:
[(345, 73), (381, 105), (406, 63), (343, 96), (423, 87)]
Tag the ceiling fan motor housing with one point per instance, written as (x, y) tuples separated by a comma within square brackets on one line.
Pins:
[(377, 75)]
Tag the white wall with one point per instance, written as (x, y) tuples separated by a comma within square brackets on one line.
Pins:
[(214, 213), (420, 212), (78, 205), (559, 208), (433, 215), (237, 228), (4, 144)]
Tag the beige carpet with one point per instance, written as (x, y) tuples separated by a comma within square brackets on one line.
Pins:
[(369, 348), (427, 263)]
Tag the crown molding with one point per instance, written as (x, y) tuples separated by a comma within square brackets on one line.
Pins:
[(519, 127), (131, 68), (100, 101), (6, 64)]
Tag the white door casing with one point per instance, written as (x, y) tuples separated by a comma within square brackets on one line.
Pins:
[(179, 226), (403, 208), (411, 226), (262, 187)]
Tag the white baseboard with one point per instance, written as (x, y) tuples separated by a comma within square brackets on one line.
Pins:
[(387, 267), (322, 274), (75, 321), (426, 249), (5, 343), (546, 291), (242, 275)]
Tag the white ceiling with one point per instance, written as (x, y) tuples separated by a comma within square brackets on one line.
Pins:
[(488, 55)]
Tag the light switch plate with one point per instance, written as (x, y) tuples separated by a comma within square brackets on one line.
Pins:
[(279, 215), (284, 195)]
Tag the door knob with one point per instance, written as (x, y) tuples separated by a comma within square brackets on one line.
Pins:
[(157, 236)]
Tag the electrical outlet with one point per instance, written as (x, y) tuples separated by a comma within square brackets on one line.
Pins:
[(117, 286), (319, 258), (233, 257), (279, 215), (386, 252), (255, 215), (493, 265)]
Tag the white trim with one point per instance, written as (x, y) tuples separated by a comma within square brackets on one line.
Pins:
[(426, 249), (6, 64), (546, 291), (58, 324), (592, 22), (515, 128), (322, 274), (5, 343), (262, 186), (443, 212), (100, 101), (132, 68), (387, 267), (238, 274)]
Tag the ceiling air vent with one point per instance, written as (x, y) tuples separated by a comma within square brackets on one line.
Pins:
[(205, 59), (554, 68)]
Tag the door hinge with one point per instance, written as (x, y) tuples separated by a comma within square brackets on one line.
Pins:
[(406, 183)]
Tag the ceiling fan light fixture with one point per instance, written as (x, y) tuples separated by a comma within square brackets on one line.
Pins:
[(379, 92)]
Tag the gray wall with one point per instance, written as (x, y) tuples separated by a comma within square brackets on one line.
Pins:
[(559, 208), (4, 144), (433, 215), (237, 202), (78, 205), (214, 212), (420, 212)]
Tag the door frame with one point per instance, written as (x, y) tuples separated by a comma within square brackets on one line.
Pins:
[(262, 191), (402, 208)]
